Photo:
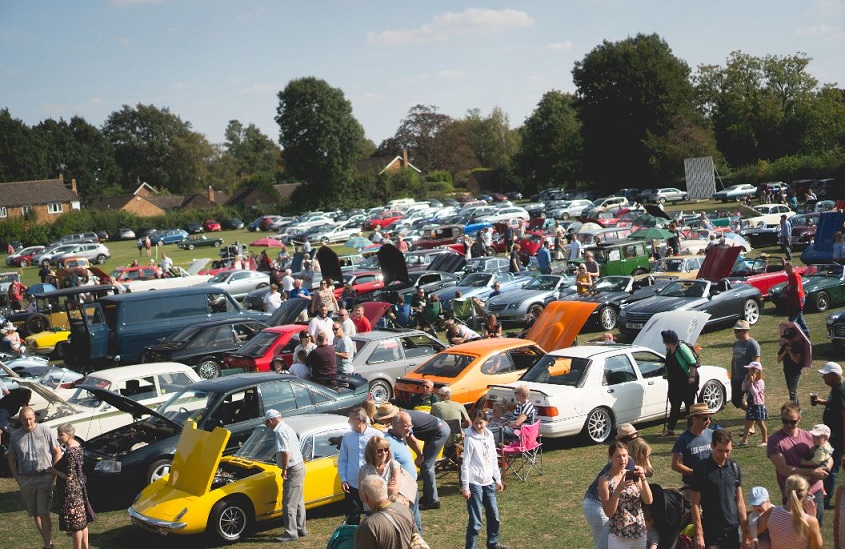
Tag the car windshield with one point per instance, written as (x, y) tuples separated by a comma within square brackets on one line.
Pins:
[(220, 277), (669, 266), (684, 288), (833, 271), (260, 446), (257, 346), (542, 283), (445, 365), (476, 280), (55, 377), (610, 284), (557, 370), (189, 404)]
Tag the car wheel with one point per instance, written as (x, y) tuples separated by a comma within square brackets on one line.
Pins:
[(191, 246), (598, 426), (713, 395), (686, 197), (751, 311), (639, 271), (208, 368), (37, 323), (217, 244), (324, 241), (661, 200), (101, 259), (533, 313), (381, 391), (24, 263), (230, 519), (822, 302), (565, 216), (158, 469), (607, 317)]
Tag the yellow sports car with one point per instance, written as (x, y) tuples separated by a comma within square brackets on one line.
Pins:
[(48, 343), (225, 496)]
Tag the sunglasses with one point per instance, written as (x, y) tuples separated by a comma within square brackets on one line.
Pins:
[(383, 450), (790, 422), (705, 419), (335, 329)]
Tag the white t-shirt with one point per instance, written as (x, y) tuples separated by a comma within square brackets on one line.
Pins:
[(287, 283), (166, 264), (349, 327), (272, 301), (575, 249)]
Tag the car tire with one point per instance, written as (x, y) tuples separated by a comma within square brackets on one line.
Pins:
[(685, 198), (608, 318), (324, 241), (713, 394), (751, 311), (381, 391), (158, 469), (37, 323), (534, 312), (821, 302), (24, 263), (639, 271), (599, 425), (191, 246), (208, 368), (566, 216), (101, 259), (661, 200), (230, 519)]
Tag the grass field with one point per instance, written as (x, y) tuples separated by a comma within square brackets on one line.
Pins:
[(544, 512)]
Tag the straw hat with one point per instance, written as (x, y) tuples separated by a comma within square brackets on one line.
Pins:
[(386, 411), (699, 408)]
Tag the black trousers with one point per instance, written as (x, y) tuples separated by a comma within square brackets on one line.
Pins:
[(679, 393)]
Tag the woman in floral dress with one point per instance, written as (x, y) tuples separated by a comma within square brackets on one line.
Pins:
[(324, 296), (622, 500), (70, 487)]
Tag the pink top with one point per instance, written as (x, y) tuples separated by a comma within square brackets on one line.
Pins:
[(755, 390), (782, 533)]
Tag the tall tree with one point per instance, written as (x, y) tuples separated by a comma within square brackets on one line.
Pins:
[(22, 155), (255, 154), (551, 143), (321, 139), (627, 91), (143, 142), (418, 133), (493, 141)]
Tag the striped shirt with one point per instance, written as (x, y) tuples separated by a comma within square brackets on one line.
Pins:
[(782, 530), (526, 408)]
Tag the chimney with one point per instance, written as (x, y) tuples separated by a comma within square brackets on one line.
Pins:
[(210, 193), (404, 158), (73, 185)]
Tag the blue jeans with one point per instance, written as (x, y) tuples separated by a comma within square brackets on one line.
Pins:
[(486, 496), (431, 448), (798, 318)]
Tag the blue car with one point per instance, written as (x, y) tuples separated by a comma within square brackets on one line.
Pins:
[(169, 236)]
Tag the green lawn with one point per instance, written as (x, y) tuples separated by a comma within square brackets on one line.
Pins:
[(545, 510)]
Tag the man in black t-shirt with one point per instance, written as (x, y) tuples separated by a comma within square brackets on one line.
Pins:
[(834, 410), (323, 362)]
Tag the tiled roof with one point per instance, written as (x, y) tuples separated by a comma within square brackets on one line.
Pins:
[(30, 193)]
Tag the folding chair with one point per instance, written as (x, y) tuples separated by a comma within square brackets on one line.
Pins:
[(463, 311), (453, 449), (525, 453)]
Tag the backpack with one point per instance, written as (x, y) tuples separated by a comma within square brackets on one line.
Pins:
[(694, 353)]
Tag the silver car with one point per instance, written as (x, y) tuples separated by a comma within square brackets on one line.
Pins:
[(240, 283), (525, 304), (95, 253)]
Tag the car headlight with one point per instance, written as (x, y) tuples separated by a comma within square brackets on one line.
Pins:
[(108, 466), (513, 305), (830, 321)]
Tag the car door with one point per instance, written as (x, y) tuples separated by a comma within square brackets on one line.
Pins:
[(417, 348), (652, 368), (624, 387), (387, 358), (240, 412), (89, 331), (320, 452)]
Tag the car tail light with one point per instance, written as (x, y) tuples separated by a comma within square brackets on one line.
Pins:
[(547, 411)]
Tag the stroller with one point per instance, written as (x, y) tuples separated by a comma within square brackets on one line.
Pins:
[(671, 512)]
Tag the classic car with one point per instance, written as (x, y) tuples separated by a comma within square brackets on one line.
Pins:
[(824, 287), (590, 389), (761, 236), (762, 272), (711, 293), (470, 367), (678, 266), (443, 235), (48, 343), (150, 384), (820, 249), (487, 265), (238, 283), (50, 308), (23, 258), (803, 229), (525, 304), (122, 461), (735, 192), (620, 257), (226, 495), (200, 241), (382, 219), (765, 214), (612, 292), (836, 328), (202, 346), (126, 275), (479, 285)]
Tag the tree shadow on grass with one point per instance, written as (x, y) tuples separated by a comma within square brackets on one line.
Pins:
[(10, 502)]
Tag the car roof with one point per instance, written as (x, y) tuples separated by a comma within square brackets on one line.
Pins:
[(236, 381), (305, 423), (139, 370), (484, 346), (163, 293), (590, 351), (384, 334)]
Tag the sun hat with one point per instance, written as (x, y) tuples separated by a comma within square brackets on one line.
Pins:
[(820, 430), (831, 368), (271, 414), (625, 430), (754, 366), (759, 496), (9, 327), (698, 409), (742, 325), (385, 411)]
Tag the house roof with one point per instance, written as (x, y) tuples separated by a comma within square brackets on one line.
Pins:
[(379, 164), (30, 193)]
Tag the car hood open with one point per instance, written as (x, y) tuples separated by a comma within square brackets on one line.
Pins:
[(329, 263), (197, 457), (393, 266), (374, 310), (687, 324), (448, 262), (559, 324), (719, 263), (136, 409), (288, 312)]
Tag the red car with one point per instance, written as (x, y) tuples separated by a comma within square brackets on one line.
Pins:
[(23, 258), (383, 219), (531, 242), (362, 282), (211, 225), (125, 275), (761, 272)]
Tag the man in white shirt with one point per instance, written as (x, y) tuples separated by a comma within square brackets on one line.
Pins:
[(574, 247), (322, 322), (289, 459), (166, 263), (273, 299), (287, 282), (348, 325)]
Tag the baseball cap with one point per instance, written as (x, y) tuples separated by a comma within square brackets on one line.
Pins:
[(271, 414), (831, 368), (820, 430), (759, 496)]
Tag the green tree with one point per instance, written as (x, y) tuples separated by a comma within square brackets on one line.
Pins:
[(551, 148), (321, 139), (627, 91), (191, 157), (492, 139), (255, 154), (419, 133), (22, 155), (142, 139)]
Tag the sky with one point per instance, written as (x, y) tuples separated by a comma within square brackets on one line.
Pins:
[(212, 61)]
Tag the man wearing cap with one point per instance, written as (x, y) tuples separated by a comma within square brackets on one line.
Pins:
[(833, 417), (447, 409), (351, 458), (787, 447), (759, 501), (791, 353), (745, 351), (693, 445), (289, 459), (794, 297)]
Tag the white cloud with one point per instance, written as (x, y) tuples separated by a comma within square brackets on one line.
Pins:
[(125, 41), (445, 26), (566, 45), (450, 74)]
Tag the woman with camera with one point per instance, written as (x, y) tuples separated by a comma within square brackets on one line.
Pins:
[(622, 493)]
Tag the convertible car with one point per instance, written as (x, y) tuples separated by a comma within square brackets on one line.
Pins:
[(589, 389), (525, 304), (763, 272), (824, 287), (480, 285), (711, 293), (612, 292), (226, 496)]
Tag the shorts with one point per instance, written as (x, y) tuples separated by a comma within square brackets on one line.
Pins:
[(37, 493), (756, 412)]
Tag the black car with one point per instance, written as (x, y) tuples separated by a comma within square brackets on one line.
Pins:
[(430, 281), (761, 237), (836, 329), (612, 292), (233, 223), (121, 462), (201, 346), (193, 228)]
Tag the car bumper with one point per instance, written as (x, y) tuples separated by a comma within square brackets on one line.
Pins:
[(159, 526), (558, 428)]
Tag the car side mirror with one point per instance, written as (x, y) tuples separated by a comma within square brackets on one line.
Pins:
[(213, 423)]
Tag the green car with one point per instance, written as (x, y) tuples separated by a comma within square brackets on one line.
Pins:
[(824, 287), (199, 241), (620, 257)]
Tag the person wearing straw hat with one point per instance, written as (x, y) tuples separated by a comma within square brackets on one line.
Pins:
[(693, 445), (12, 339)]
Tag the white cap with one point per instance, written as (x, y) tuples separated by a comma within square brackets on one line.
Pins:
[(820, 430), (831, 368), (271, 414)]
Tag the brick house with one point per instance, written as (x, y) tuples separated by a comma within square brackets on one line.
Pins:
[(48, 199), (382, 164), (146, 202)]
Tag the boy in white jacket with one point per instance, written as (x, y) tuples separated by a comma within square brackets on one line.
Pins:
[(480, 479)]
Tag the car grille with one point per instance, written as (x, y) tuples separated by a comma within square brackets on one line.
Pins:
[(837, 330), (495, 307), (638, 318)]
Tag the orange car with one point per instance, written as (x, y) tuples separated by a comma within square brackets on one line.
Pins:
[(469, 368)]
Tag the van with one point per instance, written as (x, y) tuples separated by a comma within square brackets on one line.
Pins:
[(118, 328), (401, 203)]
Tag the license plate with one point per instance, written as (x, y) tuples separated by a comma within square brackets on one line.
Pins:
[(634, 325)]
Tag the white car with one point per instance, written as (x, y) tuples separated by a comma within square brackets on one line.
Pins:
[(735, 192), (334, 233), (667, 194), (506, 214), (150, 384), (570, 209), (769, 215), (590, 389), (610, 202)]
